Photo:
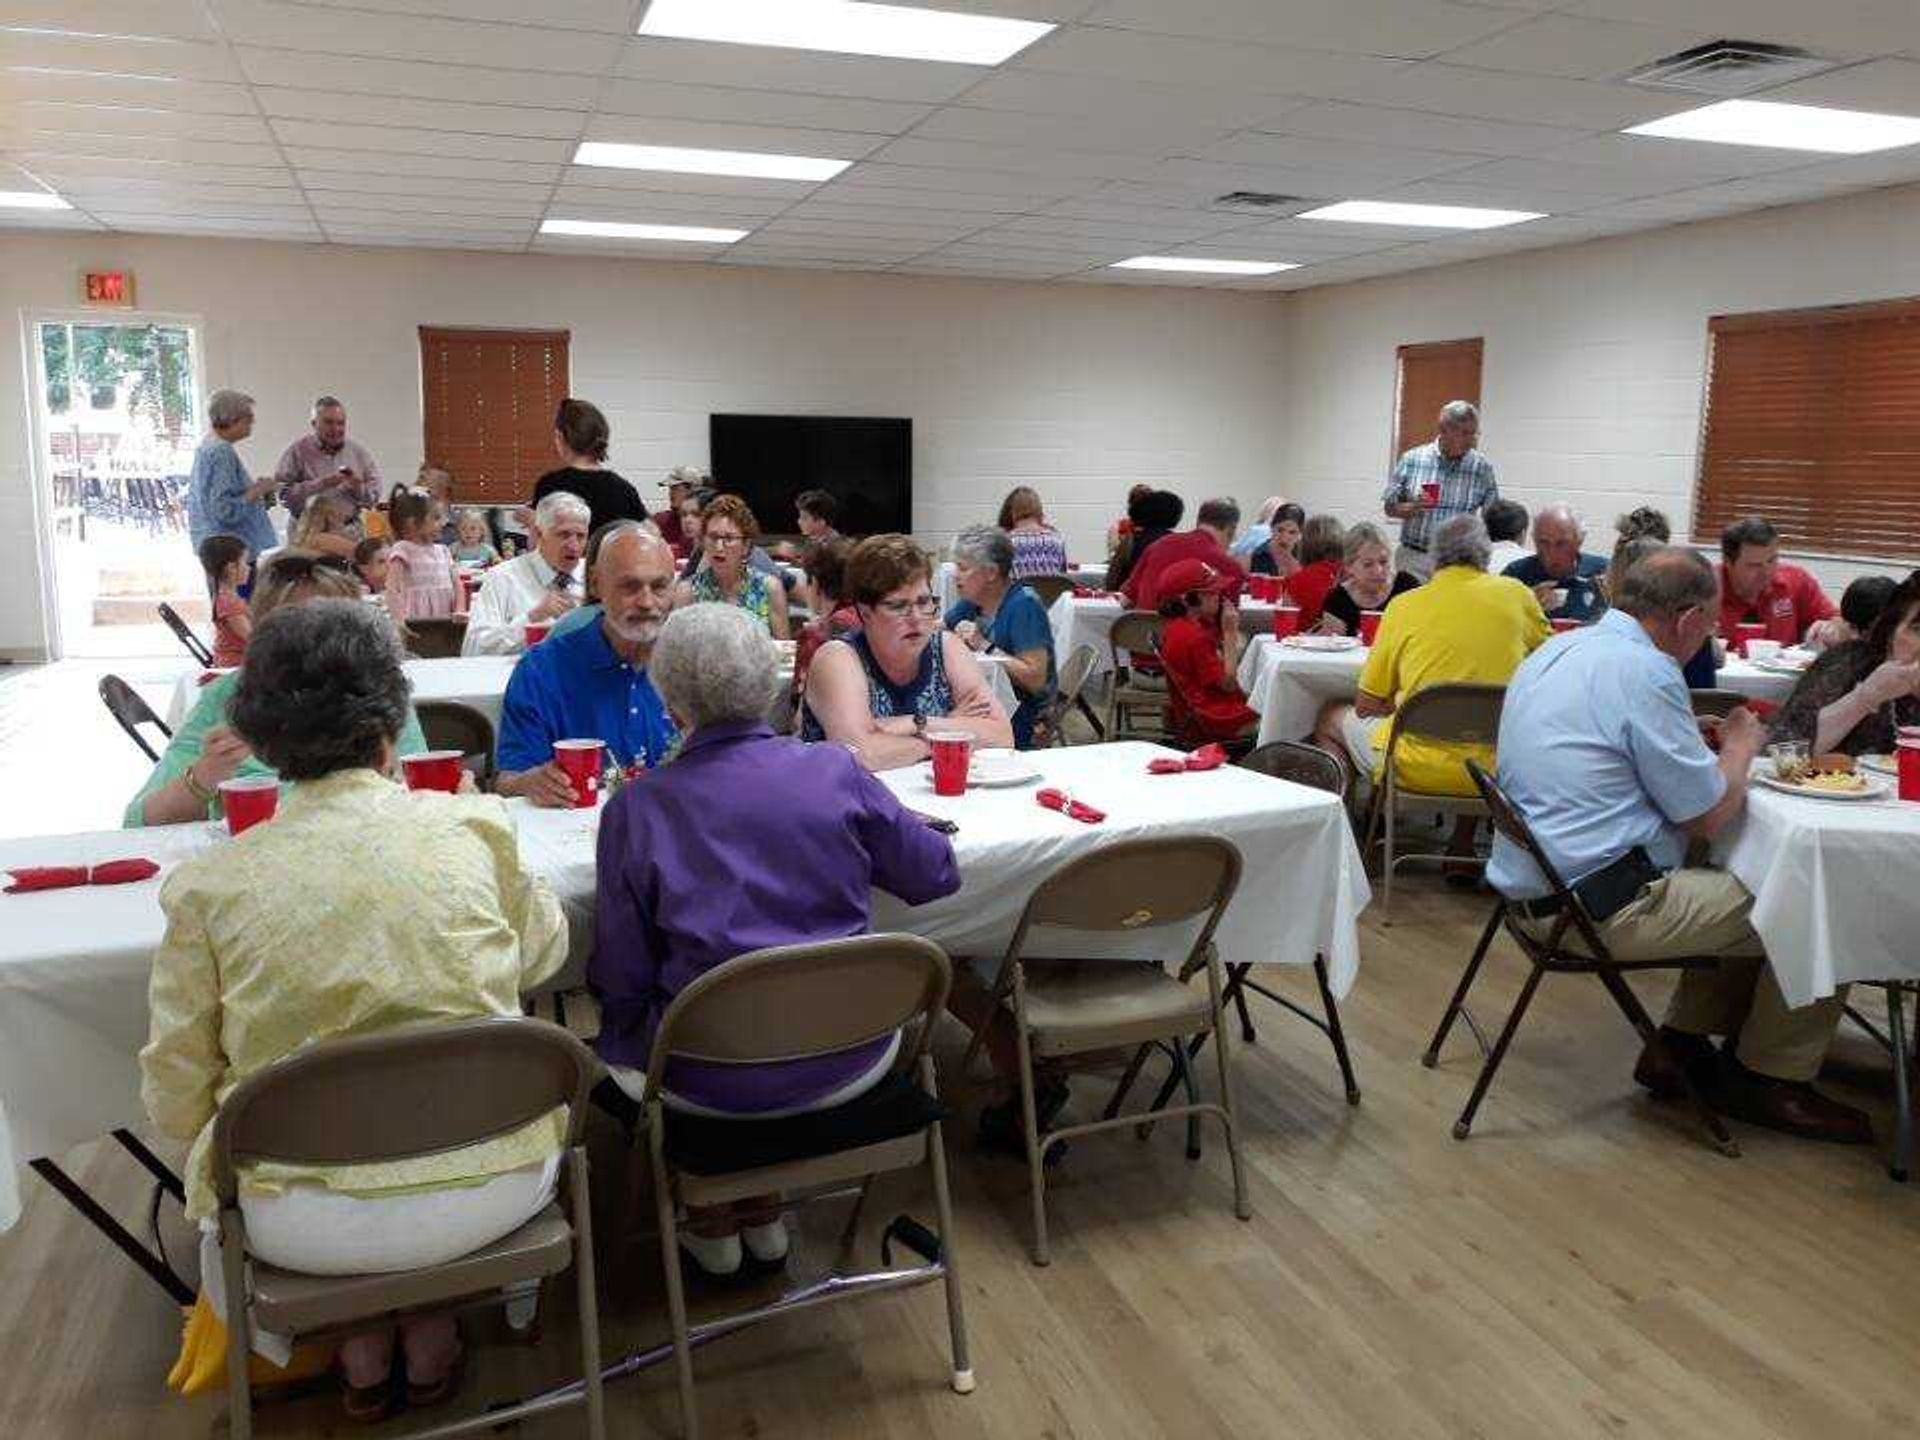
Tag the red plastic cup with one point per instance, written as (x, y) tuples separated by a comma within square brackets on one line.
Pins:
[(1369, 626), (583, 761), (1430, 493), (1745, 632), (248, 800), (432, 770), (951, 750), (1286, 621), (1561, 625), (536, 633), (1909, 753)]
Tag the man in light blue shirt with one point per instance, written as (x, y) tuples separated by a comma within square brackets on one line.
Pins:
[(221, 498), (1600, 752)]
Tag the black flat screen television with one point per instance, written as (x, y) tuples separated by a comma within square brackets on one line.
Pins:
[(864, 463)]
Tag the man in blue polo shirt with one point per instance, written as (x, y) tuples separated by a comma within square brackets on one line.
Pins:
[(1600, 752), (1559, 564), (591, 683)]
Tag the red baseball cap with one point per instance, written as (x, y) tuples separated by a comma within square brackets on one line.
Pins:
[(1187, 576)]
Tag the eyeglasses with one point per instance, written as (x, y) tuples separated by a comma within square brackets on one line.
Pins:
[(900, 609), (714, 539)]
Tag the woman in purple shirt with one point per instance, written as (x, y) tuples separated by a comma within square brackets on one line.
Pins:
[(693, 872)]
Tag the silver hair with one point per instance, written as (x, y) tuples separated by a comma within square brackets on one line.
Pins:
[(985, 545), (558, 506), (326, 402), (1565, 512), (1459, 412), (688, 475), (1359, 536), (228, 407), (714, 663), (1671, 579), (1462, 541)]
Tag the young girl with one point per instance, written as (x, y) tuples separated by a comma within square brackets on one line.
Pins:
[(437, 481), (370, 564), (422, 583), (225, 559), (473, 547), (325, 527)]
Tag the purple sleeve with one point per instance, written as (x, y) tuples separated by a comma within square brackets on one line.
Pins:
[(624, 970), (909, 859)]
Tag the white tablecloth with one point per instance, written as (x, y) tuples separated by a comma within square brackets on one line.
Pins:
[(476, 680), (1836, 888), (1287, 686), (74, 963), (1079, 622)]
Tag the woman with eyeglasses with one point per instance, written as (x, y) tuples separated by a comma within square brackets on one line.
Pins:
[(880, 689), (727, 533)]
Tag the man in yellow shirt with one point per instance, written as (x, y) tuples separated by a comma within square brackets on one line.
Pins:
[(1464, 626)]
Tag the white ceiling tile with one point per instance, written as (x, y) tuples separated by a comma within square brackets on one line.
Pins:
[(1421, 129), (1038, 92), (1145, 134), (651, 210), (607, 177), (386, 139), (715, 135), (756, 67), (80, 168), (104, 55), (929, 215), (1578, 48), (1544, 179), (48, 220), (58, 117), (415, 79), (1014, 159), (409, 37), (1165, 60), (735, 208), (1888, 85), (330, 204), (1522, 99), (210, 96), (359, 182), (796, 262), (819, 247), (332, 108), (383, 162), (241, 229), (952, 182), (146, 210), (1405, 28), (1374, 163), (1128, 232), (167, 148), (797, 223), (758, 107), (614, 17), (337, 218), (180, 19), (1858, 27)]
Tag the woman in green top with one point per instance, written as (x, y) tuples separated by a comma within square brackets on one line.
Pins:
[(727, 533), (185, 785)]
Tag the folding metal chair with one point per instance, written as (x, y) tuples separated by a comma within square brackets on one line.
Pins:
[(1137, 632), (1552, 953), (1069, 688), (451, 725), (415, 1090), (184, 634), (440, 638), (1048, 587), (132, 712), (1717, 704)]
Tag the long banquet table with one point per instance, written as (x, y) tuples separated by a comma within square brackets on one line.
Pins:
[(74, 964)]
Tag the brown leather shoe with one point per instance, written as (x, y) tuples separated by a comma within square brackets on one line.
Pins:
[(1792, 1107), (1663, 1068)]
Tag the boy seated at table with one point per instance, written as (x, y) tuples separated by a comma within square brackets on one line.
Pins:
[(1200, 648)]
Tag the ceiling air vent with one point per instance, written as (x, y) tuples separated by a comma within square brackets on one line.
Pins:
[(1255, 202), (1729, 67)]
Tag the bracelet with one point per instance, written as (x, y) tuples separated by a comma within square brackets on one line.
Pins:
[(194, 787)]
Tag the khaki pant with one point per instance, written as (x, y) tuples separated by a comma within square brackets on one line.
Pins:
[(1704, 912), (1417, 563)]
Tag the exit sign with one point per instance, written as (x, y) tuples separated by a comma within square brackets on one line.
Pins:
[(107, 287)]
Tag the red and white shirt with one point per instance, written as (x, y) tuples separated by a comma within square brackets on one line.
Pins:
[(1788, 606)]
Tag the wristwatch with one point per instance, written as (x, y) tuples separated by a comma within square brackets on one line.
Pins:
[(919, 726)]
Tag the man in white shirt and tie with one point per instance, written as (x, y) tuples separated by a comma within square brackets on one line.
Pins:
[(535, 588)]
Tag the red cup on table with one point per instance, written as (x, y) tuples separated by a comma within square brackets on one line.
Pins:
[(1561, 625), (248, 800), (952, 751), (1369, 626), (432, 770), (536, 633), (1430, 493), (1744, 632), (1286, 621), (1907, 759), (582, 760)]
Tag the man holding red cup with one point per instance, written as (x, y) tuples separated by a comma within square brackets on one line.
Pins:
[(1434, 482)]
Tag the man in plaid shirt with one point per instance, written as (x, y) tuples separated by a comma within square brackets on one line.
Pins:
[(1432, 483)]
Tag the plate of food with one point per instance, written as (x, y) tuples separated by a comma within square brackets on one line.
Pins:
[(1784, 662), (1322, 642), (991, 769), (1821, 777)]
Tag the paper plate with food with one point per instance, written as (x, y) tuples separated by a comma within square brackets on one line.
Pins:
[(1322, 642), (1790, 770)]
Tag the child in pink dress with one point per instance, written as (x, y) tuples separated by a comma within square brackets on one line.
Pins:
[(225, 560), (422, 581)]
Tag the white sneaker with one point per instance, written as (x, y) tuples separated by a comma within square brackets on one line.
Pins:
[(717, 1257), (766, 1243)]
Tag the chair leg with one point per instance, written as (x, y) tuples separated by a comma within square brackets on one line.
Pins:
[(1183, 1068), (1459, 1000), (943, 1209), (1237, 992), (1643, 1025), (1229, 1120), (1391, 812), (670, 1263), (1334, 1031), (852, 1227), (233, 1269), (1030, 1125), (581, 1205), (1127, 1077), (1902, 1162), (1464, 1124)]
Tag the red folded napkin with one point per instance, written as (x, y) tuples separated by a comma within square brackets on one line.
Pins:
[(61, 877), (1073, 809), (1207, 757), (1762, 709)]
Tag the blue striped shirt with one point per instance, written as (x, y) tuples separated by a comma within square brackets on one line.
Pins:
[(1466, 485)]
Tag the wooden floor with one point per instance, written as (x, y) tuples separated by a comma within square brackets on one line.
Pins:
[(1584, 1265)]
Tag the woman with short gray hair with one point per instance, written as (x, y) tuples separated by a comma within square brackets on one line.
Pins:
[(697, 864), (222, 499), (996, 616)]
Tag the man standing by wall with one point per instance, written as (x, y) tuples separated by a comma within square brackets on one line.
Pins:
[(1434, 482), (326, 459)]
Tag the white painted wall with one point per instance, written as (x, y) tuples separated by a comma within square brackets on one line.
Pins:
[(1078, 390), (1595, 360)]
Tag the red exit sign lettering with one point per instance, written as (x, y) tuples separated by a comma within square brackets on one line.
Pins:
[(108, 287)]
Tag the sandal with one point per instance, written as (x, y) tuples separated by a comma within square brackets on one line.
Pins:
[(367, 1404), (419, 1397)]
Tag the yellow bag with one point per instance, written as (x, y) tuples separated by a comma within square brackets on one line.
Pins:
[(202, 1364)]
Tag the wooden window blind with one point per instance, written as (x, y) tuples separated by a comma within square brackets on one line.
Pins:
[(1813, 421), (489, 398), (1430, 376)]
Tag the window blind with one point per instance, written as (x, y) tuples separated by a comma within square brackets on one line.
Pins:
[(1429, 376), (1813, 420), (489, 398)]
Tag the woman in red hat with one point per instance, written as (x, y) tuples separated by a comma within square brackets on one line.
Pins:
[(1200, 647)]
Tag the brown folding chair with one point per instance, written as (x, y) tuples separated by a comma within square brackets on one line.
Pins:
[(1065, 1008), (786, 1003), (1557, 953), (452, 725), (183, 632), (439, 638), (132, 712), (1717, 704), (412, 1091), (1048, 587), (1444, 714), (1137, 632), (1068, 694)]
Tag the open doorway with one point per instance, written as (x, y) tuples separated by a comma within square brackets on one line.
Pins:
[(118, 411)]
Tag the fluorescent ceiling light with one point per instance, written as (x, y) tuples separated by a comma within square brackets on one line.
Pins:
[(1439, 217), (683, 161), (1192, 265), (850, 27), (1775, 126), (617, 230), (32, 200)]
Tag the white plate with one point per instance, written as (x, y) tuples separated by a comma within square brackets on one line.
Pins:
[(1874, 790), (1322, 642), (995, 769), (1781, 666), (1878, 764)]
